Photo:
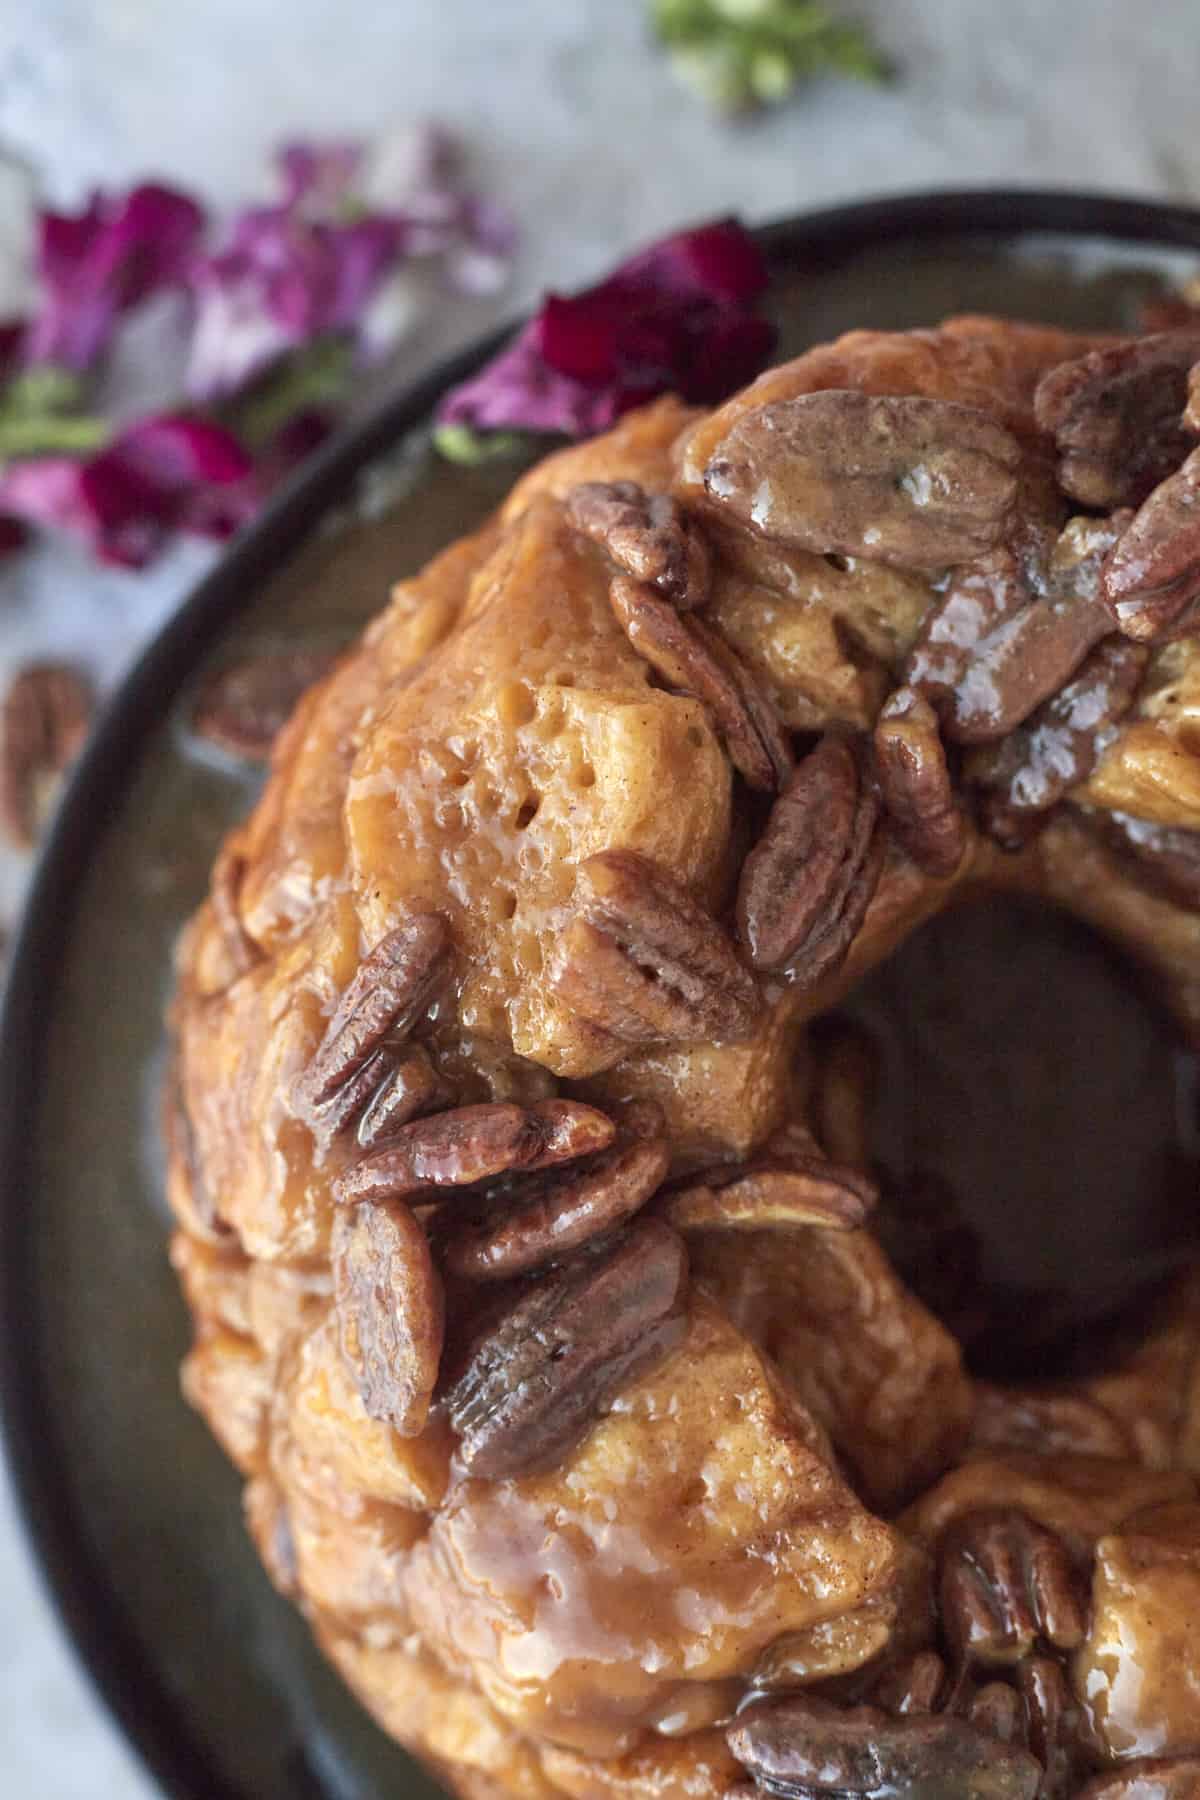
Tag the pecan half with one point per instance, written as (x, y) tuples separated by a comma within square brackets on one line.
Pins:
[(915, 1685), (409, 1087), (390, 1312), (913, 481), (1054, 1724), (1012, 627), (244, 706), (547, 1216), (44, 720), (642, 960), (996, 1709), (553, 1362), (806, 885), (391, 989), (1116, 416), (914, 783), (1059, 745), (1150, 1778), (1151, 579), (1004, 1583), (1163, 859), (803, 1748), (1047, 1421), (647, 535), (470, 1144), (688, 655), (796, 1186)]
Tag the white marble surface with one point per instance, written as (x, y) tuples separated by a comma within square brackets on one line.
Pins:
[(580, 126)]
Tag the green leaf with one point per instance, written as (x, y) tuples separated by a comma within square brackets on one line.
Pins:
[(318, 376), (41, 415), (461, 444), (744, 53)]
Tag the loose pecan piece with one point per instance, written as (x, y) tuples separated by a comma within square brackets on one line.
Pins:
[(1059, 745), (1012, 627), (1163, 859), (914, 781), (913, 481), (545, 1217), (244, 706), (792, 1184), (1004, 1583), (802, 1748), (1151, 578), (1116, 416), (391, 989), (915, 1685), (647, 535), (806, 885), (1150, 1778), (471, 1144), (389, 1311), (43, 721), (642, 960), (550, 1366), (696, 660)]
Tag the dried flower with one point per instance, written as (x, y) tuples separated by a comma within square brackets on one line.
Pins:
[(677, 316), (333, 254), (97, 264), (163, 474)]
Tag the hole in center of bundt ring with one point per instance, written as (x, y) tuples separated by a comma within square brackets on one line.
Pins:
[(1037, 1125)]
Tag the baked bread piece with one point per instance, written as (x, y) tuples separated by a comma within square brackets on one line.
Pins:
[(526, 1226)]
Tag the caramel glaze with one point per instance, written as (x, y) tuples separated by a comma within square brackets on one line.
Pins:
[(736, 1518)]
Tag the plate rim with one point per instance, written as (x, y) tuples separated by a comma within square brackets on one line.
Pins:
[(118, 1670)]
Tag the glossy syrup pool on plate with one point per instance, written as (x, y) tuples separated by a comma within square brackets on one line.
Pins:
[(153, 1504)]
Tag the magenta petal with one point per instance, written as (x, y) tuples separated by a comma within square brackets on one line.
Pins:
[(578, 336), (360, 255), (97, 264), (94, 503), (518, 390), (316, 172), (676, 316), (175, 451), (12, 336), (159, 476), (719, 261), (729, 354)]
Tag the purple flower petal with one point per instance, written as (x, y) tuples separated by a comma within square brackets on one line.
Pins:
[(350, 221), (717, 261), (317, 174), (96, 264), (519, 389), (158, 477), (234, 337), (677, 316), (172, 452)]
